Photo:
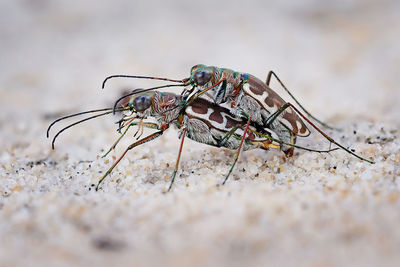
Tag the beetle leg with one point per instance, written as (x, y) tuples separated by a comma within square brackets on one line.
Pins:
[(145, 124), (141, 129), (268, 143), (289, 151), (238, 151), (227, 136), (330, 139), (151, 125), (286, 136), (275, 115), (137, 143), (119, 139), (270, 74), (194, 96), (177, 160), (140, 126), (124, 122)]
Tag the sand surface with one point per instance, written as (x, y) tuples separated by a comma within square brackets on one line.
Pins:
[(340, 58)]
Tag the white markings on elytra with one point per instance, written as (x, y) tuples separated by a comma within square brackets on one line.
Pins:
[(271, 110), (260, 98), (300, 126), (214, 124), (206, 117), (286, 123)]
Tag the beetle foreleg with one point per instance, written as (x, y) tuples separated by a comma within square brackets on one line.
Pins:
[(177, 160), (139, 130), (140, 142), (119, 139), (144, 124), (194, 96)]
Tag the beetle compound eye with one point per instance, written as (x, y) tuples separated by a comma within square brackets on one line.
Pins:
[(142, 102), (196, 67), (202, 77)]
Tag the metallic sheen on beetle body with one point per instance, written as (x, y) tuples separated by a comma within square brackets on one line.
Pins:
[(218, 107)]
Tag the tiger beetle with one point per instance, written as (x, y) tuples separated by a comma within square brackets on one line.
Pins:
[(199, 119), (247, 97), (223, 108)]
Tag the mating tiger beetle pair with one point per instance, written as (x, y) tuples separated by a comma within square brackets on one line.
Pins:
[(219, 107)]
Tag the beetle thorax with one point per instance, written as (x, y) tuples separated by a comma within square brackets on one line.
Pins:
[(166, 107), (225, 89)]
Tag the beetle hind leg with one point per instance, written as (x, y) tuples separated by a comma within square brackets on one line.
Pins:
[(286, 136), (266, 144), (288, 150)]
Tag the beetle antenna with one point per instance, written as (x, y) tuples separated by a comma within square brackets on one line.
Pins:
[(75, 123), (74, 115), (140, 77)]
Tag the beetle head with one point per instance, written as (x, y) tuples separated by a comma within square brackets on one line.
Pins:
[(140, 102), (201, 74)]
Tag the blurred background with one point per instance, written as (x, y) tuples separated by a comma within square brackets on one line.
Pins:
[(340, 58)]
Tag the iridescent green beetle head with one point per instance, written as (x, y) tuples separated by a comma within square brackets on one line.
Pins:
[(141, 101), (201, 74)]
